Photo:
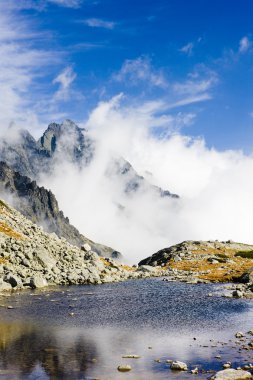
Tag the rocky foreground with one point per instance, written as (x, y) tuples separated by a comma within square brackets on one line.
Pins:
[(32, 258)]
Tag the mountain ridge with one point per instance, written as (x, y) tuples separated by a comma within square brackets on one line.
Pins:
[(41, 207)]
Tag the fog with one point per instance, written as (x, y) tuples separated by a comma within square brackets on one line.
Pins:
[(215, 188)]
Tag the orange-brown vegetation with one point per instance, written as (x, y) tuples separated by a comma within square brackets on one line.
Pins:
[(7, 230), (229, 267)]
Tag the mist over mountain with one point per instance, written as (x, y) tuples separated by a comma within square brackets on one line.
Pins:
[(69, 143), (62, 150), (41, 207)]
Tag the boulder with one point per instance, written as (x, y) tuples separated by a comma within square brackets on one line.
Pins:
[(38, 282), (237, 294), (44, 259), (4, 286), (179, 366), (14, 280), (146, 268), (91, 256), (247, 277), (86, 247), (232, 374)]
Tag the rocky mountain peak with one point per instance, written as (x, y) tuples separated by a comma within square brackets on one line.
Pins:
[(66, 137)]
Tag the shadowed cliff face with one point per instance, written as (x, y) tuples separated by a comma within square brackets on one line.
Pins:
[(41, 207)]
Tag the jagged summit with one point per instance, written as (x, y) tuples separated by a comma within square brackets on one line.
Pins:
[(55, 132), (67, 141)]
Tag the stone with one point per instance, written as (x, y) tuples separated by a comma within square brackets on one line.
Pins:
[(231, 374), (239, 334), (86, 247), (38, 282), (131, 356), (247, 277), (14, 280), (124, 368), (4, 286), (237, 294), (146, 268), (178, 366), (44, 259)]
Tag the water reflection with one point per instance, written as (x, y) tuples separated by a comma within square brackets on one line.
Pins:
[(39, 340), (38, 352), (25, 348)]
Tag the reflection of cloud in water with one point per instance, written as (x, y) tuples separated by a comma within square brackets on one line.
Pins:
[(118, 319), (37, 352)]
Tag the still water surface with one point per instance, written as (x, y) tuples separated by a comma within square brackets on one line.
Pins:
[(83, 332)]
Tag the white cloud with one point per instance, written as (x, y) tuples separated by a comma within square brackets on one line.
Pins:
[(99, 23), (190, 100), (66, 3), (188, 48), (244, 45), (139, 70), (64, 79), (215, 187), (21, 65), (198, 83)]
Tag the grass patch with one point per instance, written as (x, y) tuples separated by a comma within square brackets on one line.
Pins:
[(5, 229), (222, 256), (245, 254)]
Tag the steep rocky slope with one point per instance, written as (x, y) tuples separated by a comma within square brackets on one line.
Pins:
[(41, 207), (30, 257)]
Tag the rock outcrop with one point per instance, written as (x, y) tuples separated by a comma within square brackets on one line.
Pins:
[(41, 207), (208, 260), (30, 257)]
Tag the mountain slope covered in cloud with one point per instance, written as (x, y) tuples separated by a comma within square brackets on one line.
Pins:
[(63, 150)]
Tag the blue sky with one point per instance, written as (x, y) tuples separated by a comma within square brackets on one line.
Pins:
[(195, 58)]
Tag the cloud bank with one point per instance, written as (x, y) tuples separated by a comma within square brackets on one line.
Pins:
[(215, 187)]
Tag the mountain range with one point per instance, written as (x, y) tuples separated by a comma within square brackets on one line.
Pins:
[(24, 161)]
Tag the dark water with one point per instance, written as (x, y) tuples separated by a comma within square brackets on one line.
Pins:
[(41, 339)]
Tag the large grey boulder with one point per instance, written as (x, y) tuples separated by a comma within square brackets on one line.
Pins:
[(247, 277), (38, 282), (13, 280), (4, 286), (44, 259), (232, 374)]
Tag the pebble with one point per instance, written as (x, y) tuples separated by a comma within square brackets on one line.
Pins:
[(131, 356), (124, 368)]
